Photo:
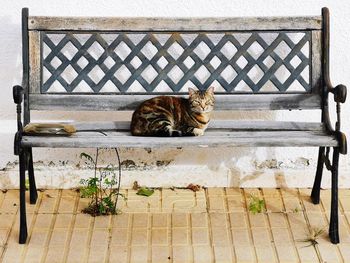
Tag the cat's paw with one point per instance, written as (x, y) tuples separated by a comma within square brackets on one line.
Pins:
[(176, 133), (198, 132)]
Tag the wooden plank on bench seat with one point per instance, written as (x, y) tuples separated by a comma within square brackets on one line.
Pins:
[(216, 124), (211, 138), (108, 102), (174, 24)]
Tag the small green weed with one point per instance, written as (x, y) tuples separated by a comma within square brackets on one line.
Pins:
[(313, 235), (103, 189), (256, 205)]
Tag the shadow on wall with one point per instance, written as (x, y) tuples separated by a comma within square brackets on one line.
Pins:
[(10, 65)]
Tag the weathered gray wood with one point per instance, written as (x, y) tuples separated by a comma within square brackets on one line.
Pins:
[(34, 62), (173, 24), (234, 125), (316, 62), (210, 139), (130, 102)]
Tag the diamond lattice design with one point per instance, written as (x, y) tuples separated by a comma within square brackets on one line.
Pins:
[(167, 62)]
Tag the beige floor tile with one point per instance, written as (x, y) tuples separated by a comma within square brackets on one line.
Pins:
[(44, 221), (180, 236), (239, 220), (200, 236), (244, 254), (160, 236), (265, 254), (277, 219), (258, 220), (34, 254), (122, 220), (235, 203), (182, 254), (180, 219), (120, 237), (139, 254), (102, 222), (140, 220), (329, 253), (83, 221), (261, 236), (160, 220), (217, 203), (286, 253), (223, 254), (13, 253), (281, 236), (215, 191), (59, 236), (55, 254), (63, 220), (97, 254), (139, 236), (99, 238), (67, 204), (233, 191), (241, 237), (203, 254), (161, 254), (218, 219), (118, 254), (199, 219), (220, 236), (307, 254), (274, 204)]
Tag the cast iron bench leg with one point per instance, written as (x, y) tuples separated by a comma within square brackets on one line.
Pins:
[(315, 194), (22, 198), (32, 186), (333, 225)]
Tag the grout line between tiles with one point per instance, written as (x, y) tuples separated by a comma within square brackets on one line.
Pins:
[(249, 226), (71, 227), (308, 224)]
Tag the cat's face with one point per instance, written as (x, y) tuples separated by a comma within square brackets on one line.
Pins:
[(201, 101)]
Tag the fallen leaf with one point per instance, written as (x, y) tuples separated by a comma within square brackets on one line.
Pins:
[(135, 186), (194, 187), (145, 191)]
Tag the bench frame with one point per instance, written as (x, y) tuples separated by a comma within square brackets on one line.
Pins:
[(339, 92)]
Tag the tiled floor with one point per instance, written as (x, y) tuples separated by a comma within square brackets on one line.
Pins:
[(211, 225)]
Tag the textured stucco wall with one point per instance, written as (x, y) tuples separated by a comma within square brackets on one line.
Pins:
[(247, 167)]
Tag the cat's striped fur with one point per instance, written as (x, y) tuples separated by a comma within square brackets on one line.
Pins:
[(173, 116)]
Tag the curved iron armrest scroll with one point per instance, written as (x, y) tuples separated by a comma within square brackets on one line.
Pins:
[(339, 92), (18, 98)]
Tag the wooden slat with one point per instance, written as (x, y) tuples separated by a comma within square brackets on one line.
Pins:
[(130, 102), (316, 62), (173, 24), (34, 62), (210, 139), (215, 124)]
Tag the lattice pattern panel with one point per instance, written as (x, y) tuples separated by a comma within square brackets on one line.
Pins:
[(256, 62)]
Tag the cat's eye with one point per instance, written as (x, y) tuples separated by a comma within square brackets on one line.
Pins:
[(195, 103)]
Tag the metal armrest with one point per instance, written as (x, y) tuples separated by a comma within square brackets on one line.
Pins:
[(18, 98)]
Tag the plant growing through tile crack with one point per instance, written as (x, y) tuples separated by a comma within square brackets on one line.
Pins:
[(313, 235), (103, 188), (256, 205)]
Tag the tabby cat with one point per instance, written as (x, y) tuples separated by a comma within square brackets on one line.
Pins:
[(174, 116)]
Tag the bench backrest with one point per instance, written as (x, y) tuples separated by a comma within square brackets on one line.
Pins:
[(96, 63)]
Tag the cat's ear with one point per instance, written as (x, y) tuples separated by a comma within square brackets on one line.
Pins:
[(191, 91), (210, 90)]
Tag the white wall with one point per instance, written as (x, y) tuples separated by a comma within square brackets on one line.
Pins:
[(253, 167)]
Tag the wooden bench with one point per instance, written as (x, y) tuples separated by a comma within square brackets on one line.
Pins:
[(112, 64)]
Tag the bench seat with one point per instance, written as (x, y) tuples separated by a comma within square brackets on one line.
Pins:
[(219, 133)]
